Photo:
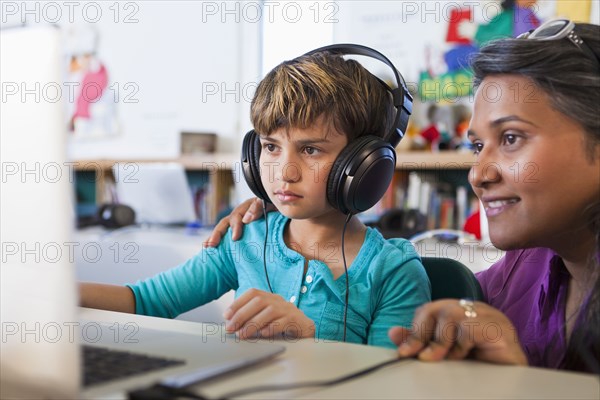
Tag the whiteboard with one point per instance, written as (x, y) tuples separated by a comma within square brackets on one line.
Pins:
[(401, 30)]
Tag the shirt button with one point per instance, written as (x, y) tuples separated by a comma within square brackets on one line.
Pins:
[(304, 289), (293, 299), (308, 279)]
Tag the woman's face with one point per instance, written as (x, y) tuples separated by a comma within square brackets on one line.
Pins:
[(533, 174)]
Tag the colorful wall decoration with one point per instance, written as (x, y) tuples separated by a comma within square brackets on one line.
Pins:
[(464, 37)]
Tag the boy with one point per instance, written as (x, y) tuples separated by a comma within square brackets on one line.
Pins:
[(288, 271)]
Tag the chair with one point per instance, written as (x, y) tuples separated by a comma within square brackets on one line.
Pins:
[(451, 279)]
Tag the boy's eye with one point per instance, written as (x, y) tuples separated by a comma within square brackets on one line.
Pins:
[(476, 147), (310, 150), (270, 147)]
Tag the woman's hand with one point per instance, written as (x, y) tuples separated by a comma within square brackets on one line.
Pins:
[(248, 211), (455, 329), (257, 313)]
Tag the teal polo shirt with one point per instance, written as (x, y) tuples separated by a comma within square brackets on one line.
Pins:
[(387, 282)]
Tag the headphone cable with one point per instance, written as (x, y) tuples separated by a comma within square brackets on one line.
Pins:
[(165, 392), (264, 207), (347, 295)]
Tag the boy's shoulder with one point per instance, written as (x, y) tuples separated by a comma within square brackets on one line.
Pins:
[(389, 260), (394, 250), (274, 222)]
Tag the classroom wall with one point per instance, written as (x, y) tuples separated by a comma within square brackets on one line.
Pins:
[(193, 70), (173, 66), (193, 65)]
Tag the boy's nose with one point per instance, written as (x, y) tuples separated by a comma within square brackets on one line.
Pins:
[(289, 171)]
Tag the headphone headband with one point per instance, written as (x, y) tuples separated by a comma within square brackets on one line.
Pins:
[(400, 96), (364, 168)]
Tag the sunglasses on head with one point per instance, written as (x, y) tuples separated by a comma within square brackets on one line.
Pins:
[(559, 29)]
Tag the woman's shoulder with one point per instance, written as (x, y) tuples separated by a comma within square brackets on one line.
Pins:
[(522, 261), (519, 270)]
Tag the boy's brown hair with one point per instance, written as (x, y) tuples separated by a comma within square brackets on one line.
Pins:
[(297, 92)]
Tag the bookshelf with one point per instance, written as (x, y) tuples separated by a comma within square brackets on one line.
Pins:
[(210, 176), (434, 183), (440, 160), (217, 173)]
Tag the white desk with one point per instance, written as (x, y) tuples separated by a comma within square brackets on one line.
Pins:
[(308, 360)]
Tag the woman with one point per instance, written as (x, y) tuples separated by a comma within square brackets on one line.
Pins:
[(536, 132)]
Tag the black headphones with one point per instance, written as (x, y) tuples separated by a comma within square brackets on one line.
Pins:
[(110, 215), (364, 169)]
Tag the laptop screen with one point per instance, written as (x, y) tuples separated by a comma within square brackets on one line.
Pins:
[(158, 192), (38, 298), (40, 352)]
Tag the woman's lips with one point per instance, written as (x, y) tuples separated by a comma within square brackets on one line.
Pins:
[(498, 206)]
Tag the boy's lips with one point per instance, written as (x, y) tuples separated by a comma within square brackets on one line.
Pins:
[(287, 195), (496, 205)]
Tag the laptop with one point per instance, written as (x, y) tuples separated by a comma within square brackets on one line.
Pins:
[(44, 342), (159, 193)]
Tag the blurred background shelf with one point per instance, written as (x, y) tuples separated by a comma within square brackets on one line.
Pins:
[(214, 176), (434, 160)]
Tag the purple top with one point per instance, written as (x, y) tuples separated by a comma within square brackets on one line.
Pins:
[(530, 287)]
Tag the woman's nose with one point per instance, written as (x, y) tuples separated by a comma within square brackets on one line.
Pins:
[(484, 172)]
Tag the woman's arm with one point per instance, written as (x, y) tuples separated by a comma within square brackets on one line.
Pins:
[(107, 297)]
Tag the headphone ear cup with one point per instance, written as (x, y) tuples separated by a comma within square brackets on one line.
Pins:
[(251, 165), (361, 174)]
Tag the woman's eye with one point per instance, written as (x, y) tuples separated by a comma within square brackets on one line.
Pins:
[(510, 138)]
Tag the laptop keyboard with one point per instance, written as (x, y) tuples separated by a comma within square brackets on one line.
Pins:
[(102, 365)]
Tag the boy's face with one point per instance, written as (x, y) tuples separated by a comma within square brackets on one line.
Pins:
[(295, 165)]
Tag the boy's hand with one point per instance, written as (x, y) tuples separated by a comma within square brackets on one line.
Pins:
[(257, 313), (248, 211), (442, 329)]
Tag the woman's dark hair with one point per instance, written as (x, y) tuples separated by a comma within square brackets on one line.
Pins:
[(583, 352), (571, 79), (564, 72)]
